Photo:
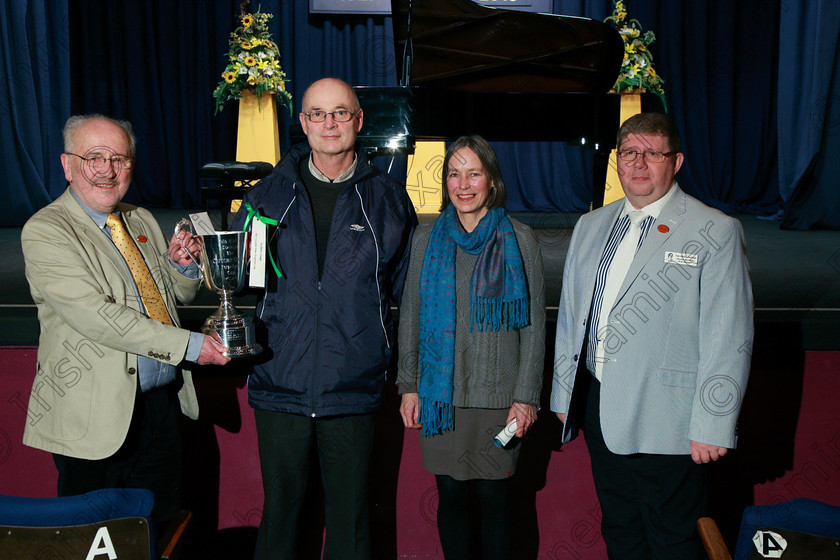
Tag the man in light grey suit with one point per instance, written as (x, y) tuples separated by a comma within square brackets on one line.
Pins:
[(654, 334)]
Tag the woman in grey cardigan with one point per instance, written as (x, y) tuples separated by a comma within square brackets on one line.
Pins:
[(472, 343)]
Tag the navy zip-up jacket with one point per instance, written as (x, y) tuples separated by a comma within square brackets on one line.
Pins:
[(329, 339)]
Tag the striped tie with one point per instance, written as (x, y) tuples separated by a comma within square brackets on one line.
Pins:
[(149, 293), (625, 239)]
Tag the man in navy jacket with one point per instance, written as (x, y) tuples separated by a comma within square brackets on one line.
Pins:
[(342, 245)]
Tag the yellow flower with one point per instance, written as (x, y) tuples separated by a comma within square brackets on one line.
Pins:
[(282, 85), (253, 61), (630, 32)]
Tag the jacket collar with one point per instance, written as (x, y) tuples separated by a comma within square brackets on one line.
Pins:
[(670, 219), (289, 165), (84, 225)]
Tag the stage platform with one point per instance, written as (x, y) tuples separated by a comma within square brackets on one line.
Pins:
[(789, 442), (795, 274)]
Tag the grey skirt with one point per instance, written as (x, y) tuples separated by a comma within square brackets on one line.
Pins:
[(468, 451)]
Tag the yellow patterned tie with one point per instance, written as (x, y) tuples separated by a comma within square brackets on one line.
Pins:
[(149, 293)]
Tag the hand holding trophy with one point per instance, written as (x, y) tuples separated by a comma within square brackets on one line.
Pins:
[(222, 265)]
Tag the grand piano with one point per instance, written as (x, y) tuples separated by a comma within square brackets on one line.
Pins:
[(507, 75)]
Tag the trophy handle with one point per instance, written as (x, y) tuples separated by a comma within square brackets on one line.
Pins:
[(184, 224)]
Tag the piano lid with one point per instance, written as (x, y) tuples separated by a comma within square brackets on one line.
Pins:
[(460, 45)]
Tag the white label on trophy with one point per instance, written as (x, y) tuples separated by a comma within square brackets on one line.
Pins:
[(256, 271), (202, 224)]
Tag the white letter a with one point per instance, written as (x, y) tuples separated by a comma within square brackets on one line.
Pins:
[(102, 545)]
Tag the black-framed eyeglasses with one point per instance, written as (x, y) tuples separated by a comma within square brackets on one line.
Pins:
[(101, 163), (651, 156), (341, 115)]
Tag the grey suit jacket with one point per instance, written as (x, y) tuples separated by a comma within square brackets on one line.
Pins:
[(679, 335), (92, 329)]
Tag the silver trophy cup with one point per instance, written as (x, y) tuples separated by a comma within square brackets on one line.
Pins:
[(222, 264)]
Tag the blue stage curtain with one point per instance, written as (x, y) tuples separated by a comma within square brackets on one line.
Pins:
[(34, 103), (718, 60), (156, 63), (809, 114), (358, 49), (545, 176)]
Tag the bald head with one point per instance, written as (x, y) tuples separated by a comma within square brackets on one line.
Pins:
[(332, 86)]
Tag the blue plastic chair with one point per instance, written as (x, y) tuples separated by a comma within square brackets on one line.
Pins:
[(797, 529), (113, 521)]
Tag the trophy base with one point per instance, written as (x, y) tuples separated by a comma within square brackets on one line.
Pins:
[(237, 333)]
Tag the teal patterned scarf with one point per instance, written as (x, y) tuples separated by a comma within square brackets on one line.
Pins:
[(498, 298)]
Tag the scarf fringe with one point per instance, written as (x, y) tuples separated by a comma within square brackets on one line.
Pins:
[(436, 417), (491, 313)]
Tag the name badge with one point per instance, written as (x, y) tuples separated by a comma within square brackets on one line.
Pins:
[(685, 259)]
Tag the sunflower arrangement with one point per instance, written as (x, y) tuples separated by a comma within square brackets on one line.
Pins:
[(637, 74), (253, 63)]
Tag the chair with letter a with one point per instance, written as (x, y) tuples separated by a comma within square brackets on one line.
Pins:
[(799, 529), (104, 524)]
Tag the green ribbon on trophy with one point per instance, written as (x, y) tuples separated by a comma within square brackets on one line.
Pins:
[(255, 215)]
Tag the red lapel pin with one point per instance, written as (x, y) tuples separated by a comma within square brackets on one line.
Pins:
[(142, 238), (662, 228)]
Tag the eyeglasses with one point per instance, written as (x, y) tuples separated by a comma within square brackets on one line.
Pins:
[(651, 156), (101, 163), (342, 115)]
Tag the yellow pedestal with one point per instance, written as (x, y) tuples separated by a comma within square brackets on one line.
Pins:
[(631, 104), (423, 178), (258, 134)]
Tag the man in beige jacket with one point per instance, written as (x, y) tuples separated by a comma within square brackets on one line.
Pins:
[(105, 396)]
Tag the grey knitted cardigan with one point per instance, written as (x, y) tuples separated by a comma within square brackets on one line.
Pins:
[(492, 369)]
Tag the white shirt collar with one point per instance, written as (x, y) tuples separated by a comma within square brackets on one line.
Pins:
[(343, 177), (654, 208)]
